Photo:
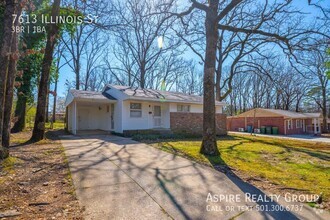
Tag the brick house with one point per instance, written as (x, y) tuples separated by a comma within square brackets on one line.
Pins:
[(287, 122), (127, 110)]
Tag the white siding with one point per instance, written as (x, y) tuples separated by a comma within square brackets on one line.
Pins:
[(118, 117), (195, 108), (70, 116), (146, 121)]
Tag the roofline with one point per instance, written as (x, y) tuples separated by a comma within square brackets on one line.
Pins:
[(169, 100), (128, 97), (277, 114)]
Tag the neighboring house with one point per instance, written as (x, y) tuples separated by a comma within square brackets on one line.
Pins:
[(127, 110), (288, 122)]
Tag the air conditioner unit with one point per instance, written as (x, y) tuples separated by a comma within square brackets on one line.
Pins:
[(257, 130), (241, 129)]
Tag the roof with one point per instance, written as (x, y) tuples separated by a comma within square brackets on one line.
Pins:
[(263, 112), (158, 95), (89, 95)]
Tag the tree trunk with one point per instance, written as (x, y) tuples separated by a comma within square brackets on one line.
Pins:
[(209, 144), (23, 92), (54, 102), (324, 111), (10, 85), (219, 71), (47, 104), (4, 60), (39, 124), (142, 76)]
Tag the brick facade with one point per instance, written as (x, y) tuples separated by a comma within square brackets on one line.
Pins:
[(233, 123), (188, 122)]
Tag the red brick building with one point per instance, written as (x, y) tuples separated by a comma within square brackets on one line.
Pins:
[(287, 122)]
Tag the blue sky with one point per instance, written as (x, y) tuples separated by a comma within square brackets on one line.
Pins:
[(67, 74)]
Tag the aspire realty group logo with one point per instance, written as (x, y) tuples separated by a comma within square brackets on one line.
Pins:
[(260, 202)]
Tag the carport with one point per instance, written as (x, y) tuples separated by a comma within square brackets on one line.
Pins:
[(87, 111)]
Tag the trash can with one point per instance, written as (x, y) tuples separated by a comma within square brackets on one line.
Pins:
[(249, 128), (274, 130), (263, 130), (269, 130)]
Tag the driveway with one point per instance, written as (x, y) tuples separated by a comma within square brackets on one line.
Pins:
[(299, 137), (117, 178)]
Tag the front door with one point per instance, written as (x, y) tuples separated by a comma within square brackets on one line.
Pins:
[(157, 116), (83, 119)]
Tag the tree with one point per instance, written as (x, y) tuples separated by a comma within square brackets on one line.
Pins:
[(52, 37), (137, 57), (78, 43), (12, 69), (5, 53), (319, 91), (249, 29)]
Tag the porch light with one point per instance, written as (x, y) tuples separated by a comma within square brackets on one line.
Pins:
[(160, 42)]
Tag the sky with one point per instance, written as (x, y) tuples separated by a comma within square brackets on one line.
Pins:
[(67, 74)]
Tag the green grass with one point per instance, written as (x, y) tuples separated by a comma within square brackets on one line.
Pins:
[(56, 125), (289, 163), (9, 163)]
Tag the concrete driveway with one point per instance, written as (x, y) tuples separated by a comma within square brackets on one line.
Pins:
[(117, 178)]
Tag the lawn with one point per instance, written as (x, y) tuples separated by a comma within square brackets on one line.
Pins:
[(303, 166)]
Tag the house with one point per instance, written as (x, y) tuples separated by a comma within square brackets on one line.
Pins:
[(285, 122), (127, 110)]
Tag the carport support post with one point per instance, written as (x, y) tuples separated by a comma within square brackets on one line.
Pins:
[(74, 124)]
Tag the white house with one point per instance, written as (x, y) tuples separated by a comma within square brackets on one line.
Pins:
[(124, 109)]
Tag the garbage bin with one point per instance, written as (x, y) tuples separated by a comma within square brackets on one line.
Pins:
[(269, 130), (263, 130), (274, 130), (249, 128)]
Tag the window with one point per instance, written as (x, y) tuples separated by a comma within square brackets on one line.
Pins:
[(136, 110), (289, 124), (183, 108), (299, 123)]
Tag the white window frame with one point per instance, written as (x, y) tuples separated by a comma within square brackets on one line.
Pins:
[(290, 124), (135, 110), (299, 123), (181, 108)]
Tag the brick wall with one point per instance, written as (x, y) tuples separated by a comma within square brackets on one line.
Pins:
[(188, 122), (294, 129), (234, 123)]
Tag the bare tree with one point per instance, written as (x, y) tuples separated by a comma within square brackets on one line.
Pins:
[(249, 29), (319, 91), (137, 38)]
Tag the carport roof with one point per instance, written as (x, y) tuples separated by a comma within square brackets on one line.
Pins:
[(89, 95)]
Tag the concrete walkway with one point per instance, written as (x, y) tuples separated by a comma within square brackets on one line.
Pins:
[(298, 137), (117, 178)]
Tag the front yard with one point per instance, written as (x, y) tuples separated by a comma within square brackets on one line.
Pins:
[(275, 165), (35, 181)]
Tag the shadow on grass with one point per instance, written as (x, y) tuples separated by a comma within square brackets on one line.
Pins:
[(310, 151), (248, 189)]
